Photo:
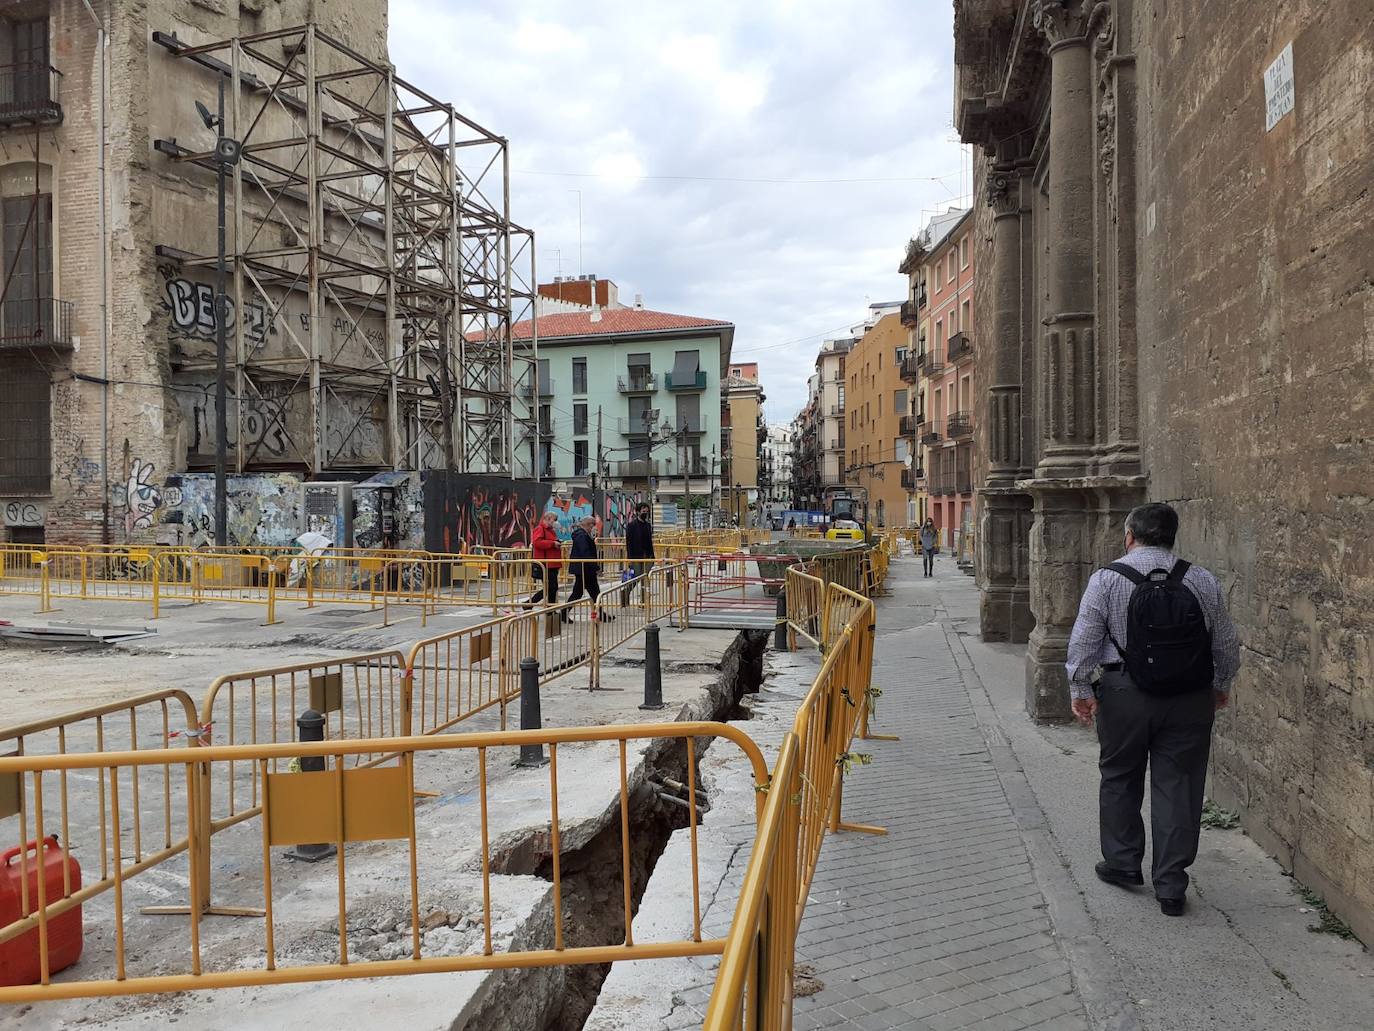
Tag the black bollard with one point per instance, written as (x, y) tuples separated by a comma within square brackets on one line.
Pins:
[(653, 670), (780, 629), (310, 725), (530, 755)]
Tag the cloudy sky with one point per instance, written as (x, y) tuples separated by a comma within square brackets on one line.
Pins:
[(762, 162)]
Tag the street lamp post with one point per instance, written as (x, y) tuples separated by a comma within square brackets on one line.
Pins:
[(226, 155)]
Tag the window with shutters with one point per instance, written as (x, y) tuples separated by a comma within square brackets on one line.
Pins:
[(25, 426)]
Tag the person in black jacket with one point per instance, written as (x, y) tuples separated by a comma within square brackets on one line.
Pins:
[(639, 548), (584, 560)]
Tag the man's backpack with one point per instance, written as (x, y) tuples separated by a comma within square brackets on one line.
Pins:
[(1168, 646)]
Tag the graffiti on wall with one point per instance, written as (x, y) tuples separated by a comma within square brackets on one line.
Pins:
[(617, 508), (263, 509), (389, 505), (571, 509), (139, 497), (464, 511), (190, 308), (23, 512)]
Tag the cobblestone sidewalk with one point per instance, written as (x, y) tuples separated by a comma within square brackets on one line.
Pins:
[(940, 924)]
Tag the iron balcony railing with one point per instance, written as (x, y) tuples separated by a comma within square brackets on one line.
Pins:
[(931, 364), (910, 368), (960, 424), (637, 468), (689, 424), (909, 478), (960, 347), (929, 434), (692, 381), (695, 467), (638, 383), (545, 388), (837, 409), (35, 322), (29, 94), (921, 296), (908, 313), (965, 485), (906, 426)]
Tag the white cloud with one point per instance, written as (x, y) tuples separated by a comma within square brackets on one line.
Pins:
[(769, 90)]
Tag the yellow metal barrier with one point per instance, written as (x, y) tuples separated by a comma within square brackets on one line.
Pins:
[(805, 605), (131, 819), (754, 984), (341, 804)]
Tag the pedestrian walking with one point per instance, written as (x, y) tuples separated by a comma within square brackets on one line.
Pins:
[(1152, 657), (584, 561), (547, 552), (930, 540), (639, 550)]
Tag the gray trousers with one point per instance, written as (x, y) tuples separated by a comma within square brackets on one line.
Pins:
[(1175, 735)]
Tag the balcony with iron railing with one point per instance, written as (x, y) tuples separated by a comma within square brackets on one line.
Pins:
[(545, 388), (692, 381), (35, 322), (696, 466), (909, 478), (921, 296), (636, 469), (964, 484), (906, 426), (837, 410), (637, 382), (928, 433), (908, 313), (930, 363), (960, 347), (29, 95), (959, 424), (910, 368)]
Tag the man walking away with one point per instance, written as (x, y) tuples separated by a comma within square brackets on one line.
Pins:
[(1152, 657), (639, 549), (584, 561), (546, 550), (930, 537)]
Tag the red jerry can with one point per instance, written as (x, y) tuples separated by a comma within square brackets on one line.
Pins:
[(19, 956)]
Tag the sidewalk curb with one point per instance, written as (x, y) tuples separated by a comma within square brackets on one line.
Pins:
[(1095, 973)]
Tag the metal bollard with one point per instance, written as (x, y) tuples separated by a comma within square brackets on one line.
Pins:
[(653, 670), (530, 755), (310, 725), (780, 628)]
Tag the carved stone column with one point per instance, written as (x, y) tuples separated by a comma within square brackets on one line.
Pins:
[(1004, 568), (1065, 530), (1067, 369)]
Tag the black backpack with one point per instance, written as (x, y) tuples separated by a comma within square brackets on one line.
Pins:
[(1169, 648)]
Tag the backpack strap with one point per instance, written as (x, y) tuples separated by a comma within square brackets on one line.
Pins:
[(1179, 571), (1134, 575)]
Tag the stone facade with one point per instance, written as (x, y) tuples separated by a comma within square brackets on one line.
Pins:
[(1177, 304)]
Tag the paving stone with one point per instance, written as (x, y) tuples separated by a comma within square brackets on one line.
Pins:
[(941, 921)]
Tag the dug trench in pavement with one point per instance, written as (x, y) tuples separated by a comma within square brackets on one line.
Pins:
[(450, 877)]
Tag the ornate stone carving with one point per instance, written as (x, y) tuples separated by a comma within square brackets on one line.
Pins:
[(1004, 194), (1106, 146), (1060, 20)]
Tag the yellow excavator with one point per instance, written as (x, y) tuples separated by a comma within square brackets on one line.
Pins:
[(847, 508)]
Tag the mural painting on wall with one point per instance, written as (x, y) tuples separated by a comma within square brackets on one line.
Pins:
[(264, 509), (571, 509), (462, 512), (139, 497), (617, 510)]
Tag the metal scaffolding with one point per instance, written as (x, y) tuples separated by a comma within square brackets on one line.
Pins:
[(376, 272)]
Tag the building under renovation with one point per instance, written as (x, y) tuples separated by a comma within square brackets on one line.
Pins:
[(372, 270)]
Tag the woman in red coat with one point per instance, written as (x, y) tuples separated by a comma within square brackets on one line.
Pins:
[(548, 552)]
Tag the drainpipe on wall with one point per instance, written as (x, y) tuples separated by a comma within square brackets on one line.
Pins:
[(101, 43)]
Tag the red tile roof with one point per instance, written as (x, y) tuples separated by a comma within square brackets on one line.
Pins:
[(614, 322)]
